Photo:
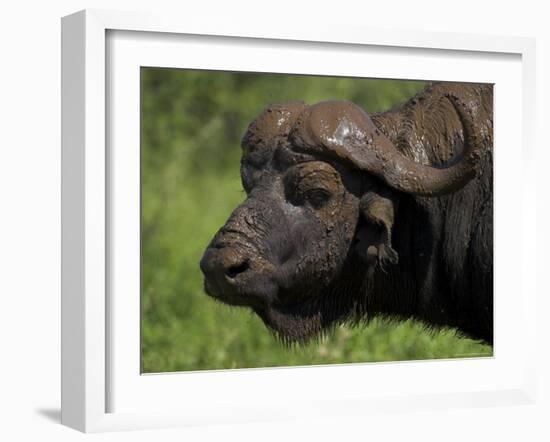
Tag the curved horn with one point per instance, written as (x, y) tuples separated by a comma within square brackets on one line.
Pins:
[(343, 130)]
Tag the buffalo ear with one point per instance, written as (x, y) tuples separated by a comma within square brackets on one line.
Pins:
[(378, 207)]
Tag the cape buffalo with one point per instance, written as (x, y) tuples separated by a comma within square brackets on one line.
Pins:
[(349, 215)]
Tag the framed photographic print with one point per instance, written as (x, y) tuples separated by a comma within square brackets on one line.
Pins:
[(251, 213)]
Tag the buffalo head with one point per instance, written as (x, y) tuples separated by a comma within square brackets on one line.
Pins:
[(323, 185)]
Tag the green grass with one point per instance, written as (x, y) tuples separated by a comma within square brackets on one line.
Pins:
[(192, 123)]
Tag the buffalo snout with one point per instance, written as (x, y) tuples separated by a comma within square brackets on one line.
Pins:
[(222, 267), (236, 274)]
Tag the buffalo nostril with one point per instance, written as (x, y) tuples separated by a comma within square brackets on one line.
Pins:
[(234, 270)]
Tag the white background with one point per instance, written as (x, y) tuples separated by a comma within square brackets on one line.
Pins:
[(30, 219)]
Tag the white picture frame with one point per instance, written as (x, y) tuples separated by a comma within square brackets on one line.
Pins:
[(98, 366)]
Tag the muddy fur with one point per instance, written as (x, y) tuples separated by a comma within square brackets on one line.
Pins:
[(337, 227)]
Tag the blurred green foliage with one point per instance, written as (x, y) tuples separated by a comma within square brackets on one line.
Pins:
[(191, 126)]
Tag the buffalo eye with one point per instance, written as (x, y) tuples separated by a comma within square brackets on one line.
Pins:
[(317, 198), (312, 184)]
